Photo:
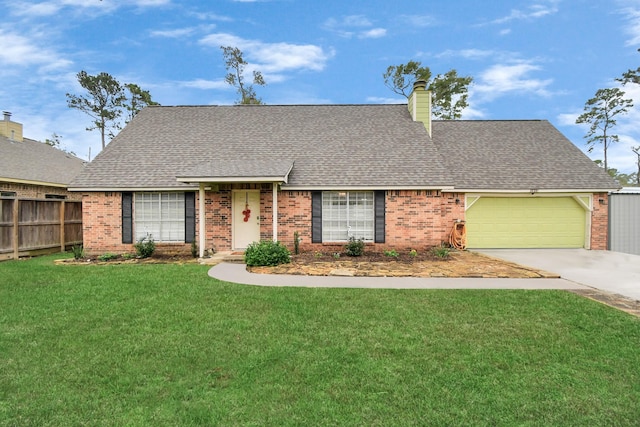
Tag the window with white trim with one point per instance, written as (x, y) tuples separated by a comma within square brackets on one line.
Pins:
[(160, 215), (347, 214)]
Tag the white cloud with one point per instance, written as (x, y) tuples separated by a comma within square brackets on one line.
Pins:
[(20, 51), (52, 7), (374, 33), (568, 119), (273, 57), (354, 25), (632, 27), (501, 79), (419, 21), (535, 11), (173, 34)]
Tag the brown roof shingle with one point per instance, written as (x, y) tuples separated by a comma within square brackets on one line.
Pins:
[(331, 145), (339, 146), (515, 155)]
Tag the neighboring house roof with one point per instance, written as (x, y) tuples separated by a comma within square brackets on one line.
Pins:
[(34, 162), (336, 146), (515, 154)]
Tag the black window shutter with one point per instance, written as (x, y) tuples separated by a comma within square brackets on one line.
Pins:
[(379, 207), (316, 217), (189, 217), (127, 218)]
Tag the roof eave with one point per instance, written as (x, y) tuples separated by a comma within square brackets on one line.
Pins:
[(122, 189), (33, 182), (530, 190), (231, 179), (365, 187)]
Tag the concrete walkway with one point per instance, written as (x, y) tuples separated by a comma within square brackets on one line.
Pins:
[(613, 272), (237, 273)]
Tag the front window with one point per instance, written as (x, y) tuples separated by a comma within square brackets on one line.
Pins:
[(160, 215), (347, 214)]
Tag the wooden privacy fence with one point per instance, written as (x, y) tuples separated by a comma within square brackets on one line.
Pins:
[(32, 227)]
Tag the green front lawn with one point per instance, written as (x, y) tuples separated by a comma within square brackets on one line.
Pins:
[(164, 345)]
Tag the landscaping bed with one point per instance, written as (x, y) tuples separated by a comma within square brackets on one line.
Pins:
[(378, 264)]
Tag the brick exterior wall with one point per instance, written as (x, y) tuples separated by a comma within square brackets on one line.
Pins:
[(420, 219), (30, 191), (600, 221), (102, 227), (413, 220)]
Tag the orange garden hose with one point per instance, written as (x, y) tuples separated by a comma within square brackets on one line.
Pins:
[(458, 236)]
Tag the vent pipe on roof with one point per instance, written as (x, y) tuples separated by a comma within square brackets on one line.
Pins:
[(7, 116)]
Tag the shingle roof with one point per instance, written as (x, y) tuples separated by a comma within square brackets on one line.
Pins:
[(515, 155), (266, 170), (338, 146), (331, 145), (30, 160)]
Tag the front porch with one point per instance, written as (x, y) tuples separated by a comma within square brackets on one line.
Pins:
[(246, 207)]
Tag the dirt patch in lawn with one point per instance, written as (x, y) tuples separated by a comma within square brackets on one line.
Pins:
[(458, 264)]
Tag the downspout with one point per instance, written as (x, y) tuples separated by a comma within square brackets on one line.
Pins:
[(201, 220), (275, 211)]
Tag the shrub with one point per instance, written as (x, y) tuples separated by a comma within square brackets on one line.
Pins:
[(78, 251), (413, 253), (266, 252), (354, 247), (145, 247), (194, 249), (441, 251), (392, 253)]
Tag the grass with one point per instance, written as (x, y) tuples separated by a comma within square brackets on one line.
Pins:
[(165, 345)]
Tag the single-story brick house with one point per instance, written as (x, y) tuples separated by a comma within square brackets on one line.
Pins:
[(30, 169), (225, 176)]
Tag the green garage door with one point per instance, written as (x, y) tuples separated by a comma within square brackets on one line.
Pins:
[(525, 222)]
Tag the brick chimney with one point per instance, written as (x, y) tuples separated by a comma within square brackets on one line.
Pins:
[(420, 104), (10, 129)]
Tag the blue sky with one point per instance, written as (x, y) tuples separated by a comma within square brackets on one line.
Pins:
[(530, 59)]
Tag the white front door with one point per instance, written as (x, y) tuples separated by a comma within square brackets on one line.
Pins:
[(246, 218)]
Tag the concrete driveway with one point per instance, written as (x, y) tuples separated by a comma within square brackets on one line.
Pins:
[(608, 271)]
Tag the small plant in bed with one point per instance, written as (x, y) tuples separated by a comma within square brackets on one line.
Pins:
[(78, 252), (107, 257), (266, 253), (392, 253), (441, 251)]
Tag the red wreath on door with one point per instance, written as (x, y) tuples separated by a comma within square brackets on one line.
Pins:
[(246, 212)]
